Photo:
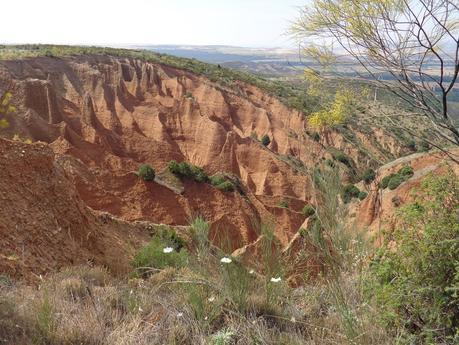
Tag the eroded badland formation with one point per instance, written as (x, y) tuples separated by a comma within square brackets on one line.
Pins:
[(72, 197)]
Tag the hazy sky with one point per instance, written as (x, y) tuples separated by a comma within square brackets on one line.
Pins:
[(254, 23)]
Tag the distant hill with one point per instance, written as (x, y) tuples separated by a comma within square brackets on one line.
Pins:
[(273, 62)]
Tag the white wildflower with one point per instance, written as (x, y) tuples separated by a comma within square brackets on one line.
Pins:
[(226, 260), (252, 272), (276, 280), (211, 299), (179, 314), (168, 250)]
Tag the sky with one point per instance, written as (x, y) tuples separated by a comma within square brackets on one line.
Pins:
[(246, 23)]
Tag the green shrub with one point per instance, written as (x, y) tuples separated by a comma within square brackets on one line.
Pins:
[(186, 170), (406, 172), (265, 140), (369, 176), (362, 195), (308, 210), (343, 158), (174, 167), (170, 237), (226, 186), (198, 174), (416, 285), (146, 172), (216, 180), (349, 191), (221, 183), (385, 181), (411, 144), (153, 256), (283, 204), (424, 146), (395, 181)]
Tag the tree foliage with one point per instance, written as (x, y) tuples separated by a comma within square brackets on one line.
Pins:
[(410, 47), (5, 108), (335, 112)]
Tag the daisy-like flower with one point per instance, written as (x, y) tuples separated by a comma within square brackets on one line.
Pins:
[(276, 280), (226, 260), (168, 250)]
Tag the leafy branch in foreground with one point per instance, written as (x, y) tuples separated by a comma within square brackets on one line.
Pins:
[(409, 47)]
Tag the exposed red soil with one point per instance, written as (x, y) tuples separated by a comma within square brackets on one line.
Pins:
[(101, 117), (45, 225), (378, 211)]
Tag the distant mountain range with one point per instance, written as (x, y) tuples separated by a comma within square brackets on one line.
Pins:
[(266, 61)]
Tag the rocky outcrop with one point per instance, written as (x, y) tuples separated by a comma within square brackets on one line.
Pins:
[(378, 211)]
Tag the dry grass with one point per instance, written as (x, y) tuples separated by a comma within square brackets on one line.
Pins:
[(180, 306)]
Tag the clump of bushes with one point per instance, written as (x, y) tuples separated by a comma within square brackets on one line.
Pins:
[(308, 210), (265, 140), (369, 176), (343, 158), (416, 286), (186, 170), (349, 192), (217, 180), (221, 183), (226, 186), (392, 181), (385, 181), (395, 181), (146, 173), (192, 172), (406, 172)]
